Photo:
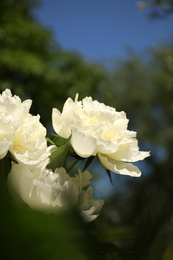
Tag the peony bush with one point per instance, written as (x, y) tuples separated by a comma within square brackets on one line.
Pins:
[(40, 176)]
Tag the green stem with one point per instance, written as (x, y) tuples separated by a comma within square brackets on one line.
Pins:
[(2, 173), (72, 165), (5, 165), (2, 165)]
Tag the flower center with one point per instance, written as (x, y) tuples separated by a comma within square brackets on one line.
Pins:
[(18, 144)]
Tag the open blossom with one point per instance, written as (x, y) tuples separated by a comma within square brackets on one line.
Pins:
[(53, 190), (97, 129), (21, 133)]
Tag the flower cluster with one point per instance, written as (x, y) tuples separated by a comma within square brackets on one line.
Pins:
[(54, 190), (39, 176)]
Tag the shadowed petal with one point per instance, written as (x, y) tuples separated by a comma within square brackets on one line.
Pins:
[(119, 167), (83, 145), (4, 147)]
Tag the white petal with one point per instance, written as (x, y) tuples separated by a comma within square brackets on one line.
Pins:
[(18, 177), (83, 145), (24, 188), (88, 215), (40, 196), (119, 167), (56, 120), (81, 179), (129, 152), (4, 147), (118, 126), (69, 195), (89, 207), (106, 146)]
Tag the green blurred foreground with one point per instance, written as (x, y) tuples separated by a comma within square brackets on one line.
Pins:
[(137, 220), (26, 234)]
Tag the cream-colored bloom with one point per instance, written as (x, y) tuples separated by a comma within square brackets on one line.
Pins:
[(97, 129), (53, 190), (21, 133)]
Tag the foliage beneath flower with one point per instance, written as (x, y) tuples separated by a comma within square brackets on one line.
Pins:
[(59, 155)]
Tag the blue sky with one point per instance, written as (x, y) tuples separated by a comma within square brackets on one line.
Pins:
[(102, 29)]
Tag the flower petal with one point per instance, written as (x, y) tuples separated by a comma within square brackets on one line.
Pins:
[(119, 167), (83, 145), (89, 207), (129, 152), (57, 121), (24, 188), (106, 146), (19, 182), (4, 147)]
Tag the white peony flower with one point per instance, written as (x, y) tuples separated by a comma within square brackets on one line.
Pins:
[(53, 191), (21, 133), (97, 129)]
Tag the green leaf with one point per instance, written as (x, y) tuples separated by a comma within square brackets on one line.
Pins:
[(88, 162), (49, 140), (58, 156), (109, 175), (48, 235), (107, 171), (107, 248), (59, 141), (5, 166)]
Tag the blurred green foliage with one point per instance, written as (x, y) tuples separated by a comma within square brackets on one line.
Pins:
[(34, 66), (157, 8), (143, 86), (27, 234), (137, 220)]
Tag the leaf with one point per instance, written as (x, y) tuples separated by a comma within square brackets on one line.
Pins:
[(88, 162), (49, 140), (76, 156), (47, 234), (108, 172), (59, 141), (118, 233), (109, 175), (107, 248), (59, 155)]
